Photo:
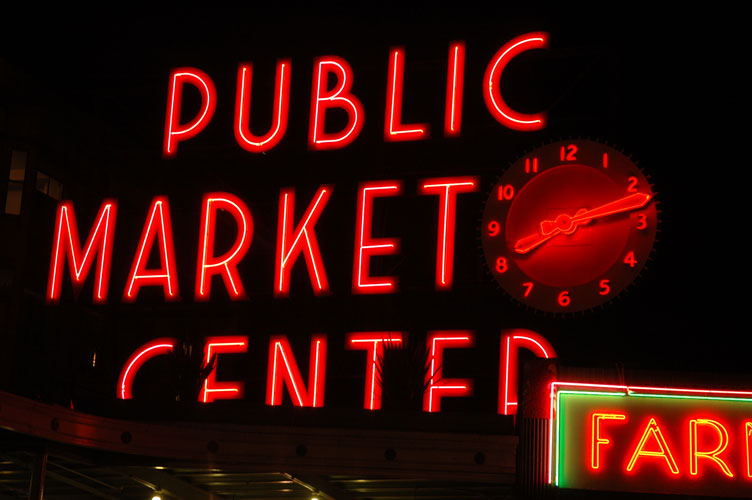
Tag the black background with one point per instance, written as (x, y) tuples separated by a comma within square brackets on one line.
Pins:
[(650, 83)]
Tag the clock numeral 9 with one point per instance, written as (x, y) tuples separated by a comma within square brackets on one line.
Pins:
[(605, 287), (568, 153), (630, 259), (506, 192), (493, 228), (501, 265), (564, 299)]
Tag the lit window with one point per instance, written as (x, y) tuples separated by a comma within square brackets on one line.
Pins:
[(15, 182), (49, 186)]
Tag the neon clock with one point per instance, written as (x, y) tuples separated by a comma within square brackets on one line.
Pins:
[(569, 226)]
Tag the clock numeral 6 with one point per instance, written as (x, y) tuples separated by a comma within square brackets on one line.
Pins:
[(506, 192), (501, 265), (605, 287), (493, 228), (630, 259), (564, 299), (528, 288)]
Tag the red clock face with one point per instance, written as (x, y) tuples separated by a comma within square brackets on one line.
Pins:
[(569, 226)]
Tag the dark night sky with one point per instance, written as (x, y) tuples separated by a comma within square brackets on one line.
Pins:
[(635, 79)]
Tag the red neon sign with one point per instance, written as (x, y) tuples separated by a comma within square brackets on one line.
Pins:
[(158, 225), (366, 246), (67, 242), (151, 349), (283, 369), (338, 97), (650, 439), (247, 139), (341, 97), (491, 83), (174, 131), (394, 129), (447, 189), (455, 90), (225, 265), (213, 346), (290, 243), (437, 386), (373, 343)]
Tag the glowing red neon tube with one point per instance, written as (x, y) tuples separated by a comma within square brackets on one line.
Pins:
[(151, 349), (290, 243), (366, 246), (447, 189), (373, 344), (213, 346), (511, 342), (67, 242), (437, 386), (340, 97), (491, 83), (245, 138), (159, 225), (394, 129), (283, 368), (455, 88), (225, 265), (174, 132)]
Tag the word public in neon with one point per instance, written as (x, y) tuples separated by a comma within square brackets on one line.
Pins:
[(341, 96)]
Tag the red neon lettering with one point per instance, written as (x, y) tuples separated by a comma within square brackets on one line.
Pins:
[(511, 342), (290, 243), (158, 224), (394, 129), (694, 453), (366, 246), (491, 83), (438, 387), (174, 132), (246, 139), (748, 443), (455, 87), (339, 97), (447, 189), (653, 430), (373, 343), (213, 390), (68, 243), (226, 265), (282, 367), (154, 348), (596, 441)]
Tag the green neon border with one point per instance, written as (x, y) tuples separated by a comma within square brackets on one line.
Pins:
[(559, 418)]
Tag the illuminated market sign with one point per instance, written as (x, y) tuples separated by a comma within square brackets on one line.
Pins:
[(607, 206), (651, 439), (340, 97)]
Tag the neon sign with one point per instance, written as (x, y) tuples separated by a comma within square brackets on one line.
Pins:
[(651, 439), (283, 372), (341, 97)]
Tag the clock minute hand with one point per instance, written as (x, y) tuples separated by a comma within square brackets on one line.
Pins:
[(631, 202), (565, 223)]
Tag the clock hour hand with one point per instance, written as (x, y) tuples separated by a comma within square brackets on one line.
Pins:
[(567, 224)]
